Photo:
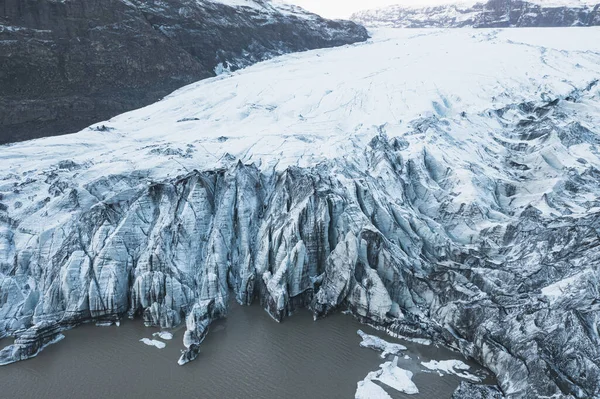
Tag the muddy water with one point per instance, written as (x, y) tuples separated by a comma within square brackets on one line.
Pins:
[(248, 355)]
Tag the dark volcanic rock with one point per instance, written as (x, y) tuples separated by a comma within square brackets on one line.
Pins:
[(493, 14), (67, 64)]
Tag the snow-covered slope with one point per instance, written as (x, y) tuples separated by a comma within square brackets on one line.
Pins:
[(485, 14), (439, 183)]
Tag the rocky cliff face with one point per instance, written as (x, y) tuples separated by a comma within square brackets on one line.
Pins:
[(464, 210), (67, 64), (491, 14)]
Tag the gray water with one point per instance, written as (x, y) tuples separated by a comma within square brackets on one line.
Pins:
[(248, 355)]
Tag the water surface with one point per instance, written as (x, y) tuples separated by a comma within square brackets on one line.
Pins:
[(248, 355)]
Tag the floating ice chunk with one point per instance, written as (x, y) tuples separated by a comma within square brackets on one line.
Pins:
[(367, 389), (455, 367), (163, 335), (373, 342), (153, 342), (389, 374), (397, 378), (406, 357)]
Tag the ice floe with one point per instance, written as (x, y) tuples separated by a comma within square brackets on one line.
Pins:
[(367, 389), (163, 335), (388, 374), (373, 342), (153, 342), (455, 367)]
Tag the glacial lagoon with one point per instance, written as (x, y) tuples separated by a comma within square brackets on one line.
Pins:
[(247, 355)]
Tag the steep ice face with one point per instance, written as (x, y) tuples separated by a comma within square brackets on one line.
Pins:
[(442, 185)]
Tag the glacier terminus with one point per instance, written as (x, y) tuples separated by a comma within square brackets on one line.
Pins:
[(440, 184)]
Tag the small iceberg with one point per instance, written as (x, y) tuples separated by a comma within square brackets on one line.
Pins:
[(389, 374), (153, 342), (373, 342), (397, 378), (163, 335), (455, 367), (367, 389)]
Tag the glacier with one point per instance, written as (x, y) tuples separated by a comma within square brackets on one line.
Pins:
[(442, 185)]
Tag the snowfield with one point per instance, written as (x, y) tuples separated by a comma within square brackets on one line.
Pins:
[(442, 185), (300, 109)]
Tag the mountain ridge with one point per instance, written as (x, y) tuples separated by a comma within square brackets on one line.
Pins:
[(67, 64), (490, 14)]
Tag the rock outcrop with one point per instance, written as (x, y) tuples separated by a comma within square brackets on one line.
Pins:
[(67, 64), (490, 14)]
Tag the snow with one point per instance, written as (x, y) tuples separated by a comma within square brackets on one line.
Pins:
[(564, 3), (301, 109), (453, 366), (153, 342), (373, 342), (469, 3), (163, 335), (238, 3)]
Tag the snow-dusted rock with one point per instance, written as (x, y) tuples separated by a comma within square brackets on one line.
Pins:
[(484, 14), (118, 55)]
